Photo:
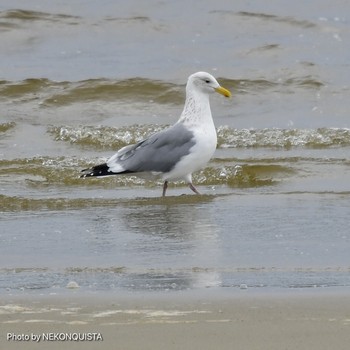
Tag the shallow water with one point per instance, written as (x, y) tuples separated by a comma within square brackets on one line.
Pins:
[(78, 82)]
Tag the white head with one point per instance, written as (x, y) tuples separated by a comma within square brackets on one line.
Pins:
[(206, 83)]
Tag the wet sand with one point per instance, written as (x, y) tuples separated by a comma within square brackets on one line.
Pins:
[(244, 319)]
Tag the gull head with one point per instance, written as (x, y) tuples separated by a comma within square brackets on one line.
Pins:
[(206, 83)]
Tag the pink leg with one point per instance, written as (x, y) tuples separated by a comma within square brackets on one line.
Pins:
[(165, 186), (193, 188)]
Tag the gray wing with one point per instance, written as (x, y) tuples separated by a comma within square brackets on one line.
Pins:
[(158, 153)]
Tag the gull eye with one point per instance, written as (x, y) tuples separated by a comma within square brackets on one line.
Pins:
[(207, 81)]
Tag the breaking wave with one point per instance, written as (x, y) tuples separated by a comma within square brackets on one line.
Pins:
[(284, 138), (113, 138)]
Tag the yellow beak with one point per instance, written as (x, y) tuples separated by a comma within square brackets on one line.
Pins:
[(223, 91)]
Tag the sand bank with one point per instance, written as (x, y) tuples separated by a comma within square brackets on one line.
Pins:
[(295, 320)]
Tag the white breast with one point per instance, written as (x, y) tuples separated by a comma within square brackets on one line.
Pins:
[(199, 155)]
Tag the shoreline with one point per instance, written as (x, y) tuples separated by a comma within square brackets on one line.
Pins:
[(247, 319)]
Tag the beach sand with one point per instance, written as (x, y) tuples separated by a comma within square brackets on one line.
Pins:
[(246, 320)]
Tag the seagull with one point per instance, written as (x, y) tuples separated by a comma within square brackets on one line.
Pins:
[(175, 153)]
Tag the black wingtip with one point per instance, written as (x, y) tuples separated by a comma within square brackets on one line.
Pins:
[(101, 170), (98, 170)]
